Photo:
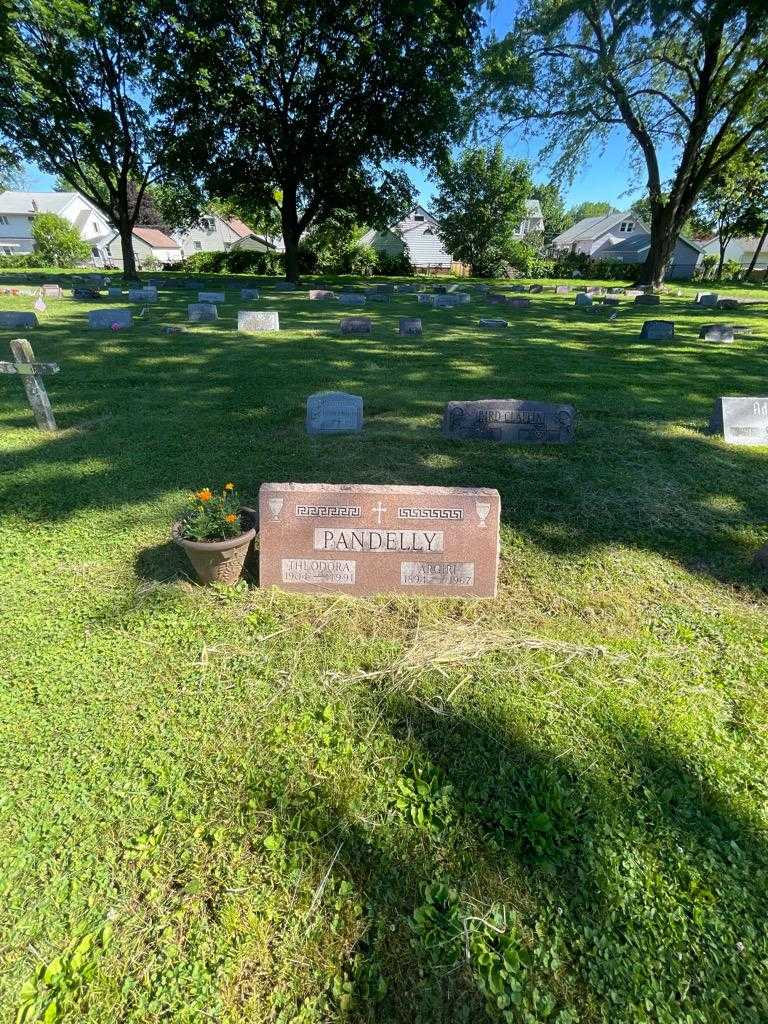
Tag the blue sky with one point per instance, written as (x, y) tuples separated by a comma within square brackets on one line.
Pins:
[(606, 175)]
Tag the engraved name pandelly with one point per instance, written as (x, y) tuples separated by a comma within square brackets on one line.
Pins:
[(378, 540)]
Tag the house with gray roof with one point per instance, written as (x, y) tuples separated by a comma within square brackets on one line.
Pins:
[(591, 234), (19, 209)]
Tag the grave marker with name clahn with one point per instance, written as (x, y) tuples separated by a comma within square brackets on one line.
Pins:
[(365, 539), (509, 421)]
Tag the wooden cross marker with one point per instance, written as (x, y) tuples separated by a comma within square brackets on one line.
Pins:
[(30, 372)]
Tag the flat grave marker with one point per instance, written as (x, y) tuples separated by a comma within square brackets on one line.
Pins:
[(142, 294), (355, 325), (582, 299), (741, 420), (491, 322), (707, 299), (657, 330), (334, 412), (251, 321), (115, 293), (365, 539), (18, 321), (320, 294), (519, 303), (202, 313), (509, 421), (31, 372), (214, 297), (106, 318), (410, 326), (351, 299), (646, 299), (426, 299), (249, 293), (562, 289)]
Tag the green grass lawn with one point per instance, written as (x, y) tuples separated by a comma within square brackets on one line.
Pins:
[(245, 806)]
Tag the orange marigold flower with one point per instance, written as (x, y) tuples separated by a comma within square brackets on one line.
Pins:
[(205, 495), (229, 487), (231, 519)]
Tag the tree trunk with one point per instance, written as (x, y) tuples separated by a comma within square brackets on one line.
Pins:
[(129, 260), (758, 250), (291, 235), (664, 233), (722, 247)]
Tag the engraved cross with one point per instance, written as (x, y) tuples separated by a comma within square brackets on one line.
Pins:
[(379, 510)]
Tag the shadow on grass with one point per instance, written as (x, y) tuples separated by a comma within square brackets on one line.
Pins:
[(652, 893)]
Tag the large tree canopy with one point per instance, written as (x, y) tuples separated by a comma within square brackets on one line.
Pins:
[(479, 204), (299, 103), (686, 74), (73, 88)]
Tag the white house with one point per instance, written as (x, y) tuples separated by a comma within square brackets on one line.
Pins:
[(18, 211), (591, 234), (149, 244), (417, 234), (533, 220), (741, 249), (219, 234)]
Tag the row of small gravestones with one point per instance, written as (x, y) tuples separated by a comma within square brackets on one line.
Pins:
[(740, 420)]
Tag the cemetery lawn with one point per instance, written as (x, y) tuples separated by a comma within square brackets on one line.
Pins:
[(244, 806)]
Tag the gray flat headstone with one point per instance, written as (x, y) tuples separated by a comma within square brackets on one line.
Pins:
[(645, 299), (115, 293), (142, 294), (202, 312), (376, 296), (490, 322), (721, 332), (105, 318), (519, 303), (334, 412), (658, 330), (727, 303), (410, 326), (320, 294), (85, 294), (708, 299), (741, 420), (250, 321), (351, 299), (607, 301), (510, 421), (355, 325), (16, 320), (52, 291), (387, 288), (536, 289), (582, 299), (562, 289), (426, 298), (249, 293), (214, 297)]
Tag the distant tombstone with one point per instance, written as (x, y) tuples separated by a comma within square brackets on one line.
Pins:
[(658, 330), (285, 286), (250, 321), (142, 294), (18, 320), (492, 323), (334, 412), (509, 421), (495, 298), (107, 318), (519, 303), (351, 299), (582, 299), (407, 289), (517, 288), (386, 288), (609, 301), (202, 312), (728, 303), (355, 325), (444, 301), (717, 332), (708, 299), (85, 294), (410, 326), (562, 289), (426, 299), (536, 289), (645, 299), (462, 298), (617, 291), (214, 297), (376, 296), (741, 420), (632, 293), (319, 294), (115, 293), (249, 293), (52, 291)]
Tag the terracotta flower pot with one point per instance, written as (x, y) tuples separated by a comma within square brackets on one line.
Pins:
[(220, 561)]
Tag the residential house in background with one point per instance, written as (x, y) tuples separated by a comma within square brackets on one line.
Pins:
[(741, 249), (219, 234), (18, 210), (623, 237), (149, 245), (592, 234), (417, 235)]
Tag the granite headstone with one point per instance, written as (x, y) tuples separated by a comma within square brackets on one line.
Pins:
[(334, 412), (740, 420), (509, 421)]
